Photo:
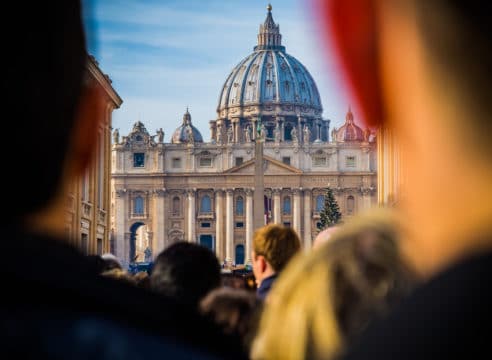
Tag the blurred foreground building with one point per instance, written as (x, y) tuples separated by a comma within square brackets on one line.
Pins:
[(87, 217), (189, 189)]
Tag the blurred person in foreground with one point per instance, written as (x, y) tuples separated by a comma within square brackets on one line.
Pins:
[(236, 311), (326, 298), (185, 272), (324, 236), (273, 247), (61, 307), (421, 69)]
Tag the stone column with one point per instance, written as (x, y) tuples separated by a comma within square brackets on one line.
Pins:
[(229, 224), (307, 219), (219, 225), (191, 216), (120, 215), (235, 124), (249, 225), (299, 129), (159, 222), (297, 210), (213, 132), (253, 127), (277, 212)]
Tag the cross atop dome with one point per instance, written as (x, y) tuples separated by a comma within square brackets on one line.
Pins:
[(269, 37)]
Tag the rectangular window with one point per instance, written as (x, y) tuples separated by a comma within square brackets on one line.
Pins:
[(99, 246), (176, 163), (205, 224), (350, 161), (239, 161), (138, 160), (205, 162), (240, 224), (319, 161), (286, 160), (84, 243)]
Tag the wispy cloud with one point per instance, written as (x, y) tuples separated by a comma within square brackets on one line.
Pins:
[(164, 56)]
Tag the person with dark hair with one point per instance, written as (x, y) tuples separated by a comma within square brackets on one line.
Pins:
[(236, 311), (58, 305), (420, 71), (185, 272)]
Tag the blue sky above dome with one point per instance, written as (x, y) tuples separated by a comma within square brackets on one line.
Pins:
[(166, 55)]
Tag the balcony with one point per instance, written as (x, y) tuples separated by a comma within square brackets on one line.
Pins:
[(206, 215), (86, 209)]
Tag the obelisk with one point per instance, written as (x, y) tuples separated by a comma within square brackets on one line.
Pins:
[(258, 194)]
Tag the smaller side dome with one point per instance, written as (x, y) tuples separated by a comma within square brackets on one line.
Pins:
[(186, 133), (349, 131)]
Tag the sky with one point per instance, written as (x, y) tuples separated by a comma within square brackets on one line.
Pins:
[(166, 55)]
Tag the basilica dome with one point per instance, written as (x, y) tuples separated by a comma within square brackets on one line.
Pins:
[(350, 131), (186, 133), (269, 76)]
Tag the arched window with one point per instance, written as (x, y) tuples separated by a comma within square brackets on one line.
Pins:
[(176, 205), (320, 202), (138, 206), (240, 206), (350, 204), (206, 204), (286, 207)]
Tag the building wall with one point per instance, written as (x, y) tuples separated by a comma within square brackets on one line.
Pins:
[(88, 207), (173, 196)]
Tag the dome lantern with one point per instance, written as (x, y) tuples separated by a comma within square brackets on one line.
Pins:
[(269, 37)]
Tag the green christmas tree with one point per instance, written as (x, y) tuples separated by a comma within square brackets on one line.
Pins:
[(330, 215)]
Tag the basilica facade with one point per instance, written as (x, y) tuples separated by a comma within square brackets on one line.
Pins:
[(202, 191)]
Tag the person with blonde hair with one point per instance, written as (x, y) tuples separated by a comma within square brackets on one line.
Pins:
[(326, 298), (273, 247)]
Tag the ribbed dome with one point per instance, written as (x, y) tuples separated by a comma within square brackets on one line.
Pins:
[(349, 131), (186, 133), (269, 75)]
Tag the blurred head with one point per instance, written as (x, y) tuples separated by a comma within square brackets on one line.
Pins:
[(330, 295), (324, 236), (273, 246), (111, 262), (185, 272), (234, 310), (420, 70), (120, 274), (44, 86)]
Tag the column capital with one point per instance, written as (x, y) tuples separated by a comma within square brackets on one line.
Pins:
[(190, 192), (276, 191), (159, 192), (307, 191), (230, 191), (219, 192), (296, 191), (121, 192)]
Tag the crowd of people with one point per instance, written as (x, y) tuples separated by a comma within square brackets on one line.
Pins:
[(376, 287)]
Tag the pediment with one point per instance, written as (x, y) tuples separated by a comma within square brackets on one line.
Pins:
[(270, 167)]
